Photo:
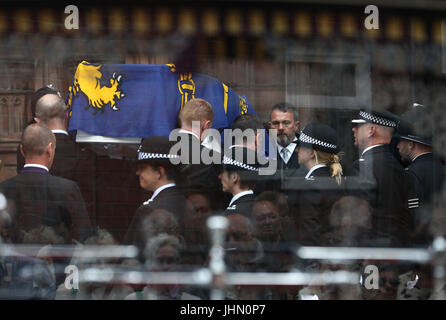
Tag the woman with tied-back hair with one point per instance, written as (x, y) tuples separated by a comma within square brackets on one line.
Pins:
[(312, 197)]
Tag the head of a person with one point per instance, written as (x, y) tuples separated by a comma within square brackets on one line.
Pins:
[(163, 253), (246, 131), (202, 209), (235, 181), (285, 119), (318, 145), (160, 221), (239, 170), (154, 168), (242, 247), (51, 110), (267, 220), (38, 145), (414, 133), (350, 220), (39, 93), (373, 127), (196, 110)]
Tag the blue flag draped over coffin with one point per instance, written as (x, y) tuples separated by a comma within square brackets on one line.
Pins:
[(137, 101)]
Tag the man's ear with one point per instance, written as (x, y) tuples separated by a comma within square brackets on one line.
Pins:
[(296, 126), (234, 177), (161, 171), (37, 120), (372, 130), (21, 150), (49, 148)]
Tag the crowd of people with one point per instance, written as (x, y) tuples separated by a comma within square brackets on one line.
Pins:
[(310, 200)]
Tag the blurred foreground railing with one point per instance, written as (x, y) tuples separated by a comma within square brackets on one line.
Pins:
[(216, 276)]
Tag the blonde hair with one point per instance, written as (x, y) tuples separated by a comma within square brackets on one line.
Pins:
[(196, 110), (333, 161)]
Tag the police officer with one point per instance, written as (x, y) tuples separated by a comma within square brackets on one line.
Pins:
[(381, 178), (239, 176), (157, 175), (311, 197), (427, 173)]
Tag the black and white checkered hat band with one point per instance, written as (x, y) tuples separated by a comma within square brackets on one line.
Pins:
[(307, 139), (145, 156), (232, 162), (377, 120)]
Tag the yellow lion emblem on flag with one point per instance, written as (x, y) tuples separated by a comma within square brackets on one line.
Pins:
[(87, 80)]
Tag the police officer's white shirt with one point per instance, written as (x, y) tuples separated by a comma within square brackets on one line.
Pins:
[(370, 148), (420, 155), (313, 168), (60, 131), (157, 191), (239, 195)]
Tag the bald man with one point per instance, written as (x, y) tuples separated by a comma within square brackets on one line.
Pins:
[(71, 160), (38, 198)]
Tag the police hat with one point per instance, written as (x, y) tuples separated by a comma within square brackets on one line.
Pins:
[(381, 117), (415, 125), (319, 137), (156, 148), (240, 159)]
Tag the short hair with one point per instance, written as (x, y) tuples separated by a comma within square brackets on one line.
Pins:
[(157, 222), (196, 110), (285, 107), (172, 172), (159, 241), (49, 107), (102, 237), (278, 199), (245, 122), (35, 139)]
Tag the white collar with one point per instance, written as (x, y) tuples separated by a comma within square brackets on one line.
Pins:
[(188, 132), (420, 155), (239, 195), (36, 165), (60, 131), (157, 191), (313, 168), (370, 148)]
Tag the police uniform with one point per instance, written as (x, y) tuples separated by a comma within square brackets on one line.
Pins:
[(312, 197), (385, 185), (167, 197), (244, 162), (426, 172)]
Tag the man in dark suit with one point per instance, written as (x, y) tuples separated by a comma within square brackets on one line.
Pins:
[(39, 198), (158, 175), (196, 117), (427, 173), (71, 161), (284, 118), (382, 179)]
